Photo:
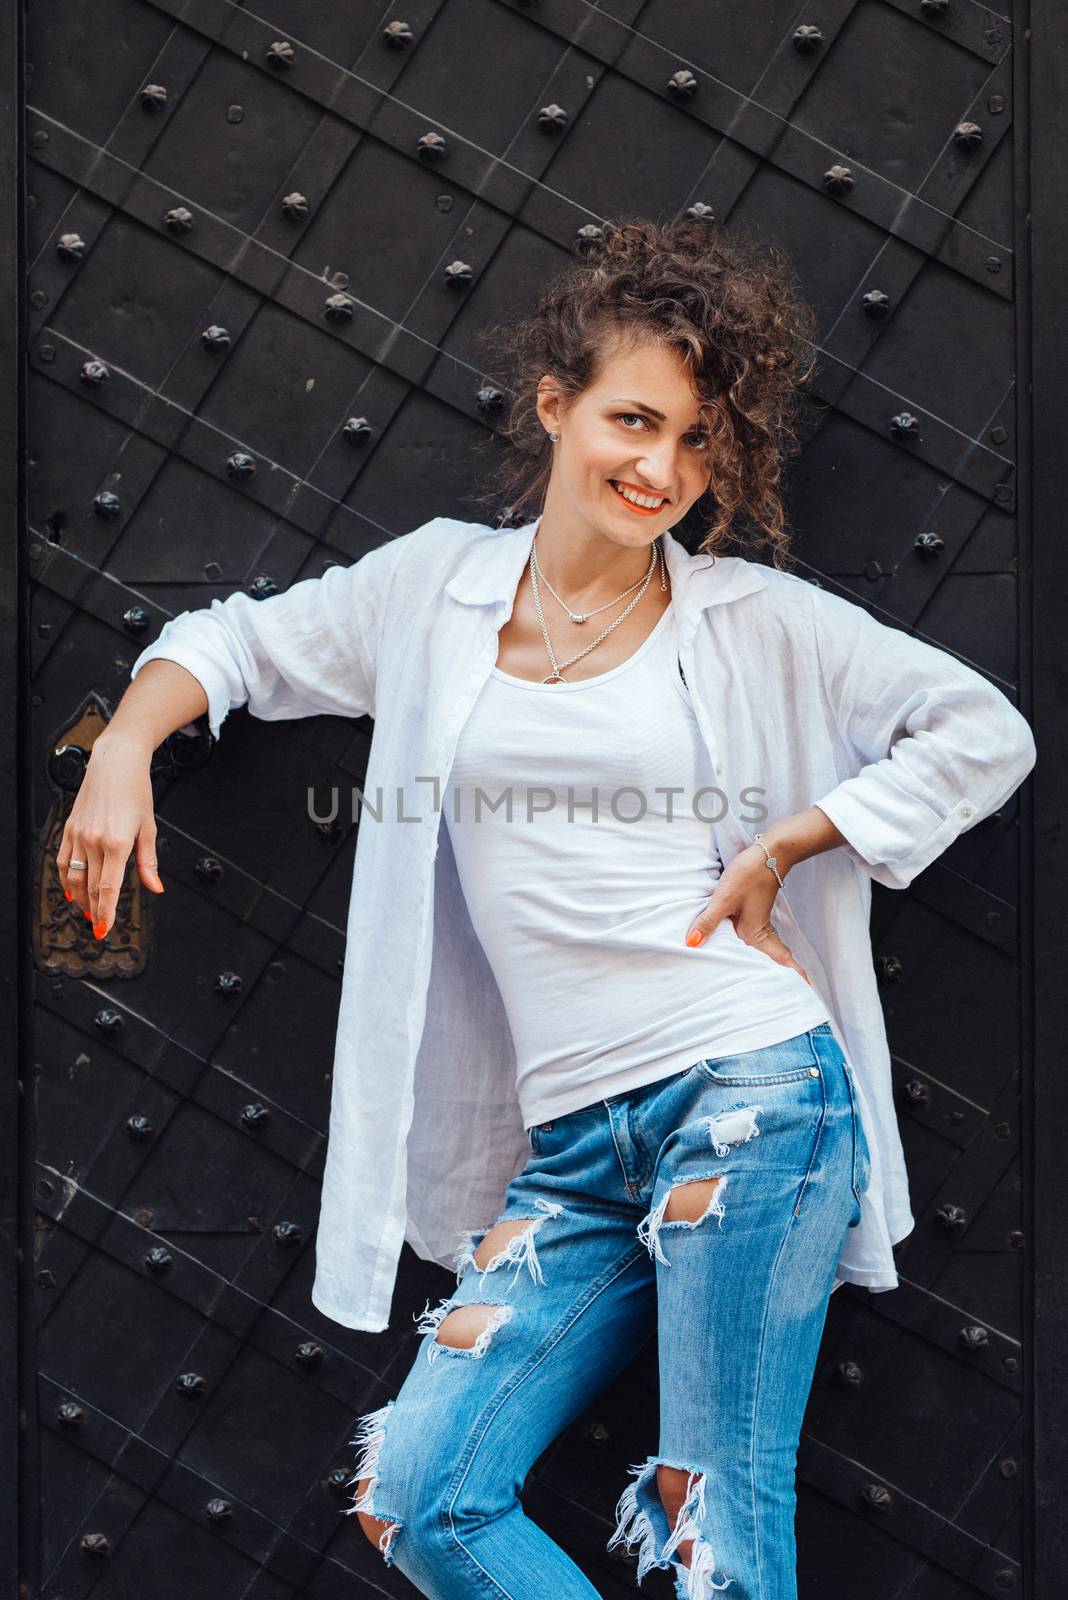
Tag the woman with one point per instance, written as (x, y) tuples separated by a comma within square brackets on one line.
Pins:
[(576, 1058)]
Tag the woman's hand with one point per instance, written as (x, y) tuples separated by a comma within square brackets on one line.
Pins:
[(747, 887), (112, 815), (745, 895)]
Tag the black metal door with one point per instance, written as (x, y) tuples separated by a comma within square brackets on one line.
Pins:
[(259, 246)]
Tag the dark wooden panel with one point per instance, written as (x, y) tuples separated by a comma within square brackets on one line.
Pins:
[(181, 1243)]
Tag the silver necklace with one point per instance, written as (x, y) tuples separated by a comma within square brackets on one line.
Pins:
[(556, 676), (584, 616)]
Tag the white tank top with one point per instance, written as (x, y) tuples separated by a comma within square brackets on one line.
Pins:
[(582, 898)]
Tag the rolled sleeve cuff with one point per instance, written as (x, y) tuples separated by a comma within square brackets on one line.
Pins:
[(892, 856), (204, 670)]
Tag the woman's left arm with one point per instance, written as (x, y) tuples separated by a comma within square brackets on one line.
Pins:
[(935, 748), (937, 745)]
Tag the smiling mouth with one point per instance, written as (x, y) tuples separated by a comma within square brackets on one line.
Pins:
[(632, 505)]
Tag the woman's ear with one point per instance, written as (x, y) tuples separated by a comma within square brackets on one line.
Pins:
[(549, 403)]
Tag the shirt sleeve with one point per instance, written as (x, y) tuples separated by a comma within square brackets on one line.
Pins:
[(310, 651), (938, 747)]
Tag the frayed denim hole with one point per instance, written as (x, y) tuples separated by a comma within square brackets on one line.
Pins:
[(370, 1436), (649, 1228)]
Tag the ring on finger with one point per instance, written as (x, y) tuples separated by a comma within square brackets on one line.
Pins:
[(77, 866)]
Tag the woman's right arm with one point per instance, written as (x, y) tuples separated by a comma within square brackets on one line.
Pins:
[(112, 812), (310, 651)]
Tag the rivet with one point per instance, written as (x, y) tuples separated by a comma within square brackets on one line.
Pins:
[(876, 1496), (357, 430), (107, 506), (838, 179), (339, 308), (968, 134), (875, 303), (70, 247), (807, 38), (905, 425), (397, 36), (552, 118), (813, 1072), (431, 147), (682, 84), (240, 465), (281, 55)]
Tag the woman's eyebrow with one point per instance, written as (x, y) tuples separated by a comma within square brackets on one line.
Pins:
[(639, 405)]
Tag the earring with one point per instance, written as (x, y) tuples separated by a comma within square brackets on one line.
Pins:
[(554, 436)]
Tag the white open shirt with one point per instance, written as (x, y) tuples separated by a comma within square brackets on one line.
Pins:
[(797, 692)]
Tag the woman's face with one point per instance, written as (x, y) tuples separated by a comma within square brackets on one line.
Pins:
[(637, 430)]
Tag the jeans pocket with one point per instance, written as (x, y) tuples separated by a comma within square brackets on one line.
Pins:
[(792, 1061), (861, 1173)]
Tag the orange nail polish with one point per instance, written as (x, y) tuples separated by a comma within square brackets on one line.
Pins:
[(88, 916), (67, 894), (99, 930), (694, 937)]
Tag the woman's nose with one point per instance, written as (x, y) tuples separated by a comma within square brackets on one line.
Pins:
[(657, 471)]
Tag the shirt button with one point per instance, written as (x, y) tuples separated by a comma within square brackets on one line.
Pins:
[(813, 1072), (966, 811)]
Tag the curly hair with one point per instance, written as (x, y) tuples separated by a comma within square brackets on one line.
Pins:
[(737, 318)]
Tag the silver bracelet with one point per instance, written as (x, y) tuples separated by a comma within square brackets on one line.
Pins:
[(771, 861)]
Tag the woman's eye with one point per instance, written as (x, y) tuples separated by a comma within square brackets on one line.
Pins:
[(700, 442)]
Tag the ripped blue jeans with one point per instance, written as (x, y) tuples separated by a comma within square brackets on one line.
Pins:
[(735, 1285)]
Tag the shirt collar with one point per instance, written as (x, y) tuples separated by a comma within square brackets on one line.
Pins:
[(490, 571)]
